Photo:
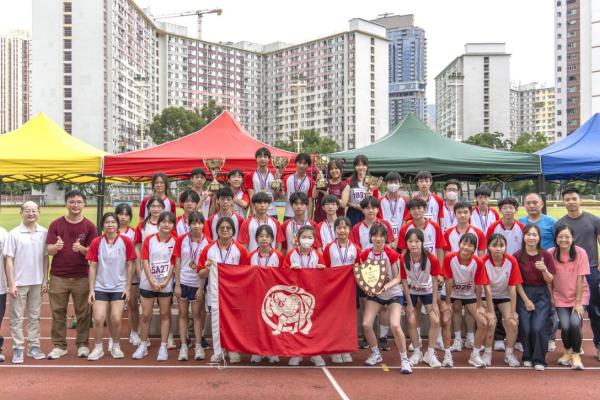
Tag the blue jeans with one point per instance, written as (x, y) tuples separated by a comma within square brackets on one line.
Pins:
[(570, 328), (533, 332), (593, 309)]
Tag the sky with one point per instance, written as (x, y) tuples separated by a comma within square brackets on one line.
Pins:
[(526, 26)]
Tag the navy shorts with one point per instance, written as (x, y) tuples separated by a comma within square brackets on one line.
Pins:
[(500, 301), (395, 299), (426, 299), (188, 292), (464, 302), (149, 294), (108, 296)]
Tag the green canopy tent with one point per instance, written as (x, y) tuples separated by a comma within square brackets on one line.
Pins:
[(413, 147)]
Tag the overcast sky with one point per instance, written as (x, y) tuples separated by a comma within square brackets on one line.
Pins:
[(527, 26)]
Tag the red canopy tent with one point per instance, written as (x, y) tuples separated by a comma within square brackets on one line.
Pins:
[(221, 138)]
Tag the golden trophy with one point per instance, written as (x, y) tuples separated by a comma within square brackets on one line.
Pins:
[(373, 182), (279, 163), (321, 163), (370, 276), (214, 165)]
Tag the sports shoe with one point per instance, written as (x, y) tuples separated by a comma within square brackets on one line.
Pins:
[(519, 347), (110, 343), (527, 364), (234, 357), (163, 354), (199, 353), (57, 353), (499, 345), (295, 361), (439, 343), (116, 351), (17, 356), (318, 361), (456, 346), (83, 351), (216, 357), (140, 352), (273, 359), (405, 368), (134, 338), (487, 358), (363, 344), (96, 354), (565, 359), (2, 358), (416, 357), (511, 360), (183, 352), (347, 357), (448, 362), (171, 342), (576, 362), (539, 367), (469, 343), (374, 359), (551, 346), (337, 359), (476, 361), (384, 344), (35, 353), (204, 343), (430, 359), (256, 358)]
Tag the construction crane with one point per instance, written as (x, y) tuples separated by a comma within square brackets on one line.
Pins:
[(198, 13)]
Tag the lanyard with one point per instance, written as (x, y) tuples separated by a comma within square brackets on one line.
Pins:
[(295, 226), (483, 222), (224, 260), (260, 257), (330, 230), (296, 186), (263, 181), (451, 214), (415, 267), (339, 249), (193, 253), (393, 209), (302, 259)]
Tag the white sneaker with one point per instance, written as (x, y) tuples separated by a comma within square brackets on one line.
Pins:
[(140, 352), (318, 361), (96, 354), (539, 367), (199, 353), (469, 343), (487, 358), (416, 358), (273, 359), (163, 354), (499, 345), (116, 351), (234, 357), (295, 361), (447, 362), (511, 360), (83, 351), (134, 338), (337, 359), (519, 347), (431, 360), (35, 352), (374, 358), (347, 357), (476, 361), (171, 342), (110, 344), (405, 367), (216, 357), (183, 353), (456, 345), (439, 343), (256, 358), (57, 353), (527, 364), (551, 346)]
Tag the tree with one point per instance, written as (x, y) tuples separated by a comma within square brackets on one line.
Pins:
[(492, 140), (210, 110), (530, 142), (312, 143), (173, 123)]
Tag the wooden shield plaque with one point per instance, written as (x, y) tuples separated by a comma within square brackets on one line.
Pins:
[(370, 276)]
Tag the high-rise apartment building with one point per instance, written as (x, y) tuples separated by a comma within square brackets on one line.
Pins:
[(535, 110), (408, 67), (577, 63), (15, 105), (109, 67)]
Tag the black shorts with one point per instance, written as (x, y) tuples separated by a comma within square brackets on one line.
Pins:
[(149, 294), (108, 296), (500, 301), (395, 299), (464, 302), (188, 292), (426, 299)]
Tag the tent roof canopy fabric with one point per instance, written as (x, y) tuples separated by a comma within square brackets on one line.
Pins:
[(577, 156), (40, 151), (413, 147), (221, 138)]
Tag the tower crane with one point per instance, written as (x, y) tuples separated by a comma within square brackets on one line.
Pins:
[(198, 13)]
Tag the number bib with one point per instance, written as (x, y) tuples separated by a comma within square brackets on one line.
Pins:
[(463, 288), (159, 270)]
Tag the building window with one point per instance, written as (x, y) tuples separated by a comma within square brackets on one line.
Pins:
[(67, 19), (372, 41), (68, 80), (67, 43), (68, 92), (67, 31), (67, 6), (67, 56), (67, 67)]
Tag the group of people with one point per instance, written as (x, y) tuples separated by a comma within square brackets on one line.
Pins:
[(511, 283)]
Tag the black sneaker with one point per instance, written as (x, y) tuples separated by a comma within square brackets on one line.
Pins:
[(363, 344), (383, 344), (204, 343)]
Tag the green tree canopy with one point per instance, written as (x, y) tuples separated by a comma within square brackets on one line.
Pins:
[(491, 140), (530, 142), (312, 143)]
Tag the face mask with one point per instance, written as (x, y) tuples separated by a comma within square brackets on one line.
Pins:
[(451, 196), (306, 243), (393, 187)]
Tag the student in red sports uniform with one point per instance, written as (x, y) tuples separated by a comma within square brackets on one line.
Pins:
[(241, 200), (508, 226), (299, 182), (160, 189), (357, 189), (434, 209), (260, 180), (265, 255), (361, 231), (325, 229), (299, 202), (392, 206), (335, 187), (260, 204), (198, 180), (452, 192), (224, 198), (483, 215), (188, 200)]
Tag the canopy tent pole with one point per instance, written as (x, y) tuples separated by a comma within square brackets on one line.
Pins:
[(100, 204), (0, 193), (541, 189)]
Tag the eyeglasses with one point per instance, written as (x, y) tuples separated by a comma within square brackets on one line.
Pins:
[(225, 228), (75, 202)]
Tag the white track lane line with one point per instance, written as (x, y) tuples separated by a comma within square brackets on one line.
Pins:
[(336, 385)]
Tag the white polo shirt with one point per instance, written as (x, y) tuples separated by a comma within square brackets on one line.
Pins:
[(111, 272), (160, 259), (293, 184), (29, 252), (189, 252)]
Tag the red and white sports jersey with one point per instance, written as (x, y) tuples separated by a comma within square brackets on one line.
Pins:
[(144, 211), (234, 254), (310, 261), (484, 220), (274, 259), (394, 212), (261, 182), (181, 225), (452, 237), (337, 255), (503, 276), (142, 232), (290, 229), (393, 268), (449, 218), (326, 233), (360, 233), (160, 259), (203, 206), (464, 277), (419, 279), (292, 184), (210, 227), (130, 233), (241, 195), (188, 250), (111, 273), (248, 229), (358, 193), (513, 235), (435, 207), (434, 238)]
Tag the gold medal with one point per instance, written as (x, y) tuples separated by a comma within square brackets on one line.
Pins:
[(193, 266)]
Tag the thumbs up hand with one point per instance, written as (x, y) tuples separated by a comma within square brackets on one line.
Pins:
[(59, 243), (77, 247)]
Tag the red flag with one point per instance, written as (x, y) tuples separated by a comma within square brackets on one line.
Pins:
[(285, 312)]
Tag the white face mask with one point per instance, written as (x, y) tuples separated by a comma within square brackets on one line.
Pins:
[(451, 196), (393, 187), (306, 243)]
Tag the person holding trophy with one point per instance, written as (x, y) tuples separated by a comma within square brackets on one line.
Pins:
[(334, 185), (300, 182), (262, 180), (360, 186)]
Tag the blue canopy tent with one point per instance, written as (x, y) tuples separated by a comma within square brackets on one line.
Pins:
[(575, 157)]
